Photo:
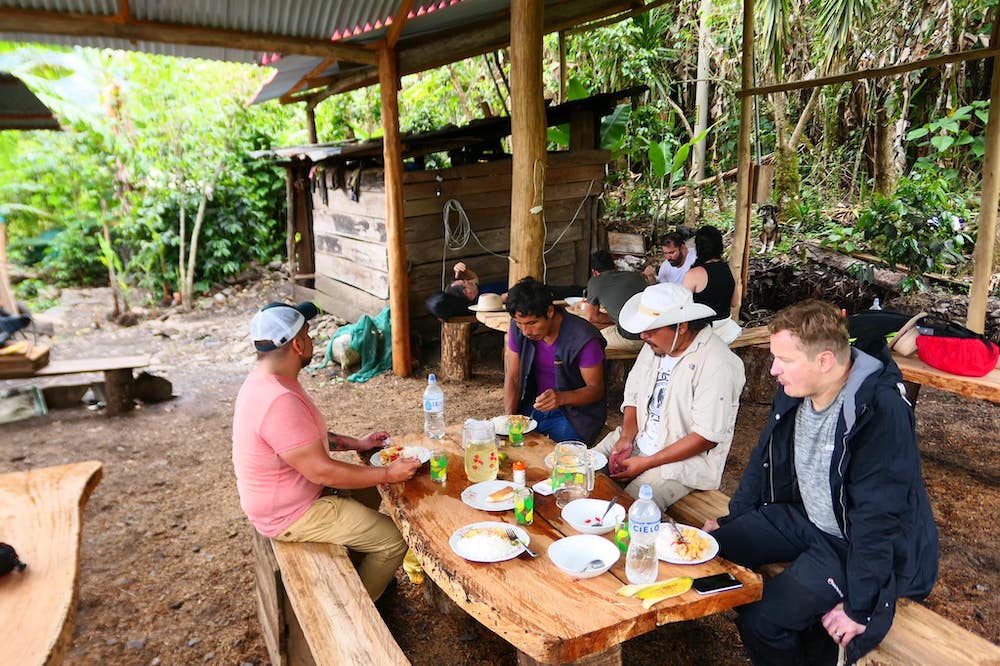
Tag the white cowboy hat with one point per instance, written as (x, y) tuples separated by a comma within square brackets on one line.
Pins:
[(487, 303), (664, 304), (905, 340)]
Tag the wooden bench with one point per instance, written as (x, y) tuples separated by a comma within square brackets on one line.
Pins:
[(41, 516), (118, 377), (918, 634), (313, 608)]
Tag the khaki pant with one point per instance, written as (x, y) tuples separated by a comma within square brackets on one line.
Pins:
[(615, 340), (354, 522), (665, 491)]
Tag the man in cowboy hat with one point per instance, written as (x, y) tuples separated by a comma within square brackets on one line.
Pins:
[(280, 456), (681, 398)]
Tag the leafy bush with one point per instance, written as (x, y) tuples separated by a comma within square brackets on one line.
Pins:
[(921, 227)]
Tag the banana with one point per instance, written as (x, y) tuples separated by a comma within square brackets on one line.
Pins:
[(654, 593)]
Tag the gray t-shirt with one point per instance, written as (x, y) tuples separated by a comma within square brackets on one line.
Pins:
[(814, 444), (612, 288)]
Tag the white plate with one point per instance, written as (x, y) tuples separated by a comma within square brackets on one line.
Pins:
[(423, 453), (597, 459), (572, 554), (665, 551), (457, 541), (574, 301), (503, 429), (476, 494), (579, 511)]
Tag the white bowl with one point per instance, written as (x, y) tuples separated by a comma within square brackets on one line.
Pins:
[(579, 511), (574, 301), (572, 554)]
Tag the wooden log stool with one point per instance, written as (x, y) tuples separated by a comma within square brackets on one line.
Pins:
[(456, 347)]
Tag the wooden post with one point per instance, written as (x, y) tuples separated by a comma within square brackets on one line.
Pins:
[(395, 223), (741, 235), (311, 122), (983, 256), (527, 115), (290, 222), (118, 385), (562, 67)]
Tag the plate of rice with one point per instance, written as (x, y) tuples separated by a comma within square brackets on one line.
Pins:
[(699, 546), (487, 542)]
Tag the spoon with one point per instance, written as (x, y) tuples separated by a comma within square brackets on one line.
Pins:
[(600, 521), (593, 564)]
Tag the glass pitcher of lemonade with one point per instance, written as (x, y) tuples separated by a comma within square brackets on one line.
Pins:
[(479, 439), (572, 472)]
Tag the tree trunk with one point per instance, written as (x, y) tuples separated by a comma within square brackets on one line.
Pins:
[(187, 291), (787, 181), (701, 92), (886, 176)]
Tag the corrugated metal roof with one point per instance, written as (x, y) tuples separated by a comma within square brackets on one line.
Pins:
[(20, 109), (321, 25), (354, 20)]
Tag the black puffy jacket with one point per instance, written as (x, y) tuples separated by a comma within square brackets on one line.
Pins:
[(878, 494)]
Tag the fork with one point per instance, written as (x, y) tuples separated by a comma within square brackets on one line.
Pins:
[(512, 535), (677, 530)]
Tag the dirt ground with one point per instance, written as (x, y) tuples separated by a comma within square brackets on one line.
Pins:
[(166, 574)]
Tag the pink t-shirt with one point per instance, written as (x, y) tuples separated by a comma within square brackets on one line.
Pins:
[(545, 360), (273, 414)]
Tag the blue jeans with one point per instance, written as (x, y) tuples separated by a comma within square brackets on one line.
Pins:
[(555, 425)]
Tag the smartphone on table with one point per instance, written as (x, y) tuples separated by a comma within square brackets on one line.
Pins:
[(716, 583)]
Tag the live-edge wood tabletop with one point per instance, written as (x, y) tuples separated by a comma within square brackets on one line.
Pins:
[(543, 612)]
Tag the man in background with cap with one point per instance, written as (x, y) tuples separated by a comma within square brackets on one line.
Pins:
[(280, 456), (681, 398)]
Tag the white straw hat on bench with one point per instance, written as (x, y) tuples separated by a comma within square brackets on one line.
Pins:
[(487, 303)]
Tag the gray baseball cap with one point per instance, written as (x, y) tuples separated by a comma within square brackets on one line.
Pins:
[(277, 323)]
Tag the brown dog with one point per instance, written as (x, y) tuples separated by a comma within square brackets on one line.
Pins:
[(769, 233)]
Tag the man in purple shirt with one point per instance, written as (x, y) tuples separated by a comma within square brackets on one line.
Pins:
[(554, 366)]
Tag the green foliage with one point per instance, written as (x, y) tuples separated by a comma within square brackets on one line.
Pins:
[(144, 137), (955, 143), (921, 227)]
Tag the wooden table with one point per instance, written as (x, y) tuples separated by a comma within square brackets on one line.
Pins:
[(546, 614)]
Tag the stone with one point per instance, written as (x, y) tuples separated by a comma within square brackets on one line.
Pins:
[(136, 644)]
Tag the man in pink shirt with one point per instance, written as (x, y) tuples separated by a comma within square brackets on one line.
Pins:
[(280, 455)]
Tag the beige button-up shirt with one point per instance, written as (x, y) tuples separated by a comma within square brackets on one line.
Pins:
[(703, 397)]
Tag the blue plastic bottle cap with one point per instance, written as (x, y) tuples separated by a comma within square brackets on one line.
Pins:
[(646, 492), (431, 378)]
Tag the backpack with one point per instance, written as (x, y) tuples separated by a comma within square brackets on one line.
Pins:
[(953, 348)]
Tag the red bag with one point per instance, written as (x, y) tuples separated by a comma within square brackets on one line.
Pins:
[(969, 357)]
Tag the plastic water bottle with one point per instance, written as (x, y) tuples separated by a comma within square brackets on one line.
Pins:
[(641, 563), (433, 409)]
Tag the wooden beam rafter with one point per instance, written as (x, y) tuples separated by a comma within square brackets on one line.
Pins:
[(398, 21), (124, 26), (874, 72), (476, 39)]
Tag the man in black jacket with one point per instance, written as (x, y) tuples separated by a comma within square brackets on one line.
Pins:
[(835, 488)]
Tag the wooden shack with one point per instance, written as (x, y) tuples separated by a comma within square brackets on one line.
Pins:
[(336, 212)]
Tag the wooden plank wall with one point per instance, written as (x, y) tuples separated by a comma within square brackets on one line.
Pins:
[(349, 236)]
